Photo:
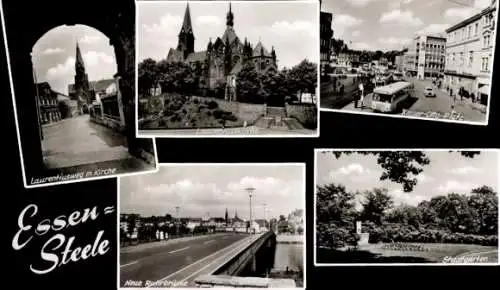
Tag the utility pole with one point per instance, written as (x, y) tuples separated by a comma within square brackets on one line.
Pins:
[(250, 191)]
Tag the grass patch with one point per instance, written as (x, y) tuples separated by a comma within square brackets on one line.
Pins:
[(181, 112), (386, 253)]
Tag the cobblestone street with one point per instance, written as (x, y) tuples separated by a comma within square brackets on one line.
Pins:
[(77, 141)]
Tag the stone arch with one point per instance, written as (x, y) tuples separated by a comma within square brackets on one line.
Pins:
[(115, 21)]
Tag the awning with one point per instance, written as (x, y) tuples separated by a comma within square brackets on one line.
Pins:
[(484, 90)]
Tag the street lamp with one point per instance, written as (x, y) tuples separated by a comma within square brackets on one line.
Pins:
[(177, 224), (250, 191)]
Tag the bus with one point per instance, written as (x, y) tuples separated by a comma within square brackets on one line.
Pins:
[(388, 98)]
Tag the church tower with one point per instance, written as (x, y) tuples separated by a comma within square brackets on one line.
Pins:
[(186, 36), (230, 17), (81, 78)]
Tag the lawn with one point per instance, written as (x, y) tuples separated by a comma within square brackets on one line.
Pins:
[(181, 112), (428, 253)]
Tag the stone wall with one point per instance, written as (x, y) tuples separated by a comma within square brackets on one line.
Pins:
[(307, 114), (246, 112), (110, 123)]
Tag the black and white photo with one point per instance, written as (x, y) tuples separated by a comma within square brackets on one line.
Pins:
[(406, 206), (73, 93), (227, 68), (239, 225), (417, 59)]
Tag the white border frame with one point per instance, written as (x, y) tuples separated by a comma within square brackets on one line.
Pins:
[(488, 108), (165, 133), (304, 200), (322, 150), (14, 104)]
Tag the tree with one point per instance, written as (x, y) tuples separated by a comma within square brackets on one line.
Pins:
[(377, 202), (335, 215), (248, 84), (131, 222), (303, 77), (147, 75), (484, 201), (401, 166)]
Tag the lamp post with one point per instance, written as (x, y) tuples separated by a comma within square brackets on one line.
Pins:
[(177, 224), (250, 191)]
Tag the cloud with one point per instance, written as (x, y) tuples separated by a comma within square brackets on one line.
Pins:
[(408, 198), (94, 58), (343, 22), (208, 20), (360, 3), (433, 29), (466, 170), (355, 33), (462, 13), (353, 172), (61, 70), (457, 187), (361, 46), (52, 51), (285, 28), (168, 26), (394, 42), (424, 178), (398, 16), (88, 39)]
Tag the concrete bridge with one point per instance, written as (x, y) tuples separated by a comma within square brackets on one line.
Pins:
[(220, 260)]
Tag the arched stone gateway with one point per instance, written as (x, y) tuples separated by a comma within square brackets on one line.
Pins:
[(23, 29)]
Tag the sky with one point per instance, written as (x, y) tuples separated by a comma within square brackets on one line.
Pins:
[(390, 24), (54, 56), (447, 172), (291, 27), (207, 190)]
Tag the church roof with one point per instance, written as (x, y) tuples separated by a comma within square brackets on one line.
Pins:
[(197, 56), (175, 55), (97, 86), (229, 35), (260, 48)]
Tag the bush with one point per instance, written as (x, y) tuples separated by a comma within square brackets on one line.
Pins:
[(390, 233), (196, 101), (162, 123), (212, 105)]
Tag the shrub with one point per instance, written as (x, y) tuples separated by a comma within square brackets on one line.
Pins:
[(184, 111), (196, 101), (162, 123), (212, 105)]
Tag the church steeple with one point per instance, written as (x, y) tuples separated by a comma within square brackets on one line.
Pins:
[(186, 24), (230, 17), (186, 35), (79, 65)]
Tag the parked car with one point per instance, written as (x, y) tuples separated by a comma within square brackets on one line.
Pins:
[(429, 92)]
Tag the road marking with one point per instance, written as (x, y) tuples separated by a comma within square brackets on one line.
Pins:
[(128, 264), (206, 258), (230, 253), (178, 250), (208, 242), (478, 253)]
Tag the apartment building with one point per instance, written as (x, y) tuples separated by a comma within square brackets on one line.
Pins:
[(469, 54), (425, 57)]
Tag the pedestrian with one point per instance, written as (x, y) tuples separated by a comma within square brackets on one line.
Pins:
[(451, 92), (342, 90), (356, 99), (473, 97), (361, 94)]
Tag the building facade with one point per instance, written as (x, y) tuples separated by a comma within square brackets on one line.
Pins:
[(325, 34), (469, 54), (48, 106), (399, 62), (425, 57), (224, 58)]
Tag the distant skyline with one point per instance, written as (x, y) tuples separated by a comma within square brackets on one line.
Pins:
[(391, 24), (288, 26), (202, 189), (55, 52), (447, 172)]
